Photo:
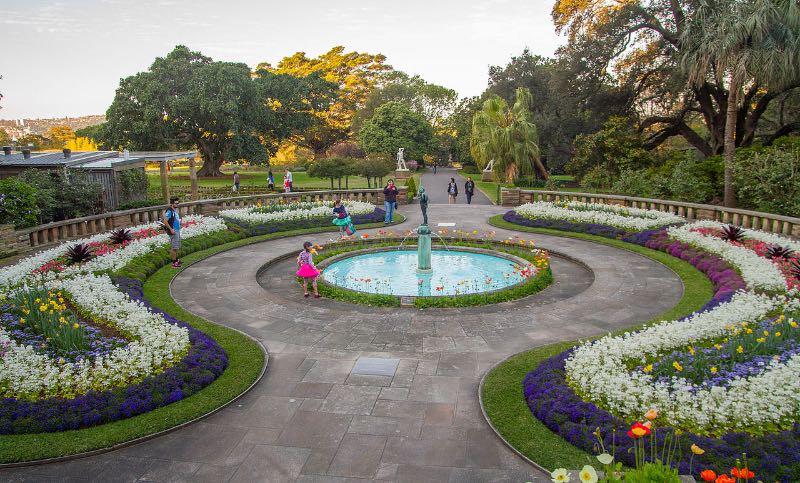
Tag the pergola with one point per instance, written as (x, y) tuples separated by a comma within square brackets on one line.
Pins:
[(162, 158)]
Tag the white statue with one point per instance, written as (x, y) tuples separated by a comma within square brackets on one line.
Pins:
[(401, 163)]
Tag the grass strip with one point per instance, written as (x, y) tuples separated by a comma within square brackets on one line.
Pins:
[(502, 392), (245, 360)]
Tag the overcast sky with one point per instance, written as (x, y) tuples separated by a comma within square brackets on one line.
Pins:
[(65, 58)]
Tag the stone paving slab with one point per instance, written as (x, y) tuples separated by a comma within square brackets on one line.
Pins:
[(314, 418)]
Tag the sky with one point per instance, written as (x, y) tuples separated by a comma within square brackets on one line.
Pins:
[(65, 58)]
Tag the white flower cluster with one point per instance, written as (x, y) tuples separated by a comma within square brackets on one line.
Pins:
[(110, 261), (599, 373), (759, 235), (155, 344), (759, 273), (311, 210), (612, 215)]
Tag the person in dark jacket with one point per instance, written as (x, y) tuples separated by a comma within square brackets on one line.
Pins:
[(469, 189), (452, 191), (389, 201)]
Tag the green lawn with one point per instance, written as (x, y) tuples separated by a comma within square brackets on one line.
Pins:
[(502, 395)]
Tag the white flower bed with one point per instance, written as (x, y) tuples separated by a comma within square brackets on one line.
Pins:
[(763, 236), (156, 345), (598, 371), (612, 215), (110, 261), (296, 212), (759, 273)]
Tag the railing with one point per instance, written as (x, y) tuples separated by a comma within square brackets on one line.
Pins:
[(52, 233), (756, 220)]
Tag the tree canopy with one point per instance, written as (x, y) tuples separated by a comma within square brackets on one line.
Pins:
[(396, 126), (354, 73), (186, 99)]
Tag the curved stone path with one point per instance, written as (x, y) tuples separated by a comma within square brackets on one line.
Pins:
[(328, 411)]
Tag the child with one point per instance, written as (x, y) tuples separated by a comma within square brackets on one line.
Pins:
[(287, 185), (306, 269), (340, 217)]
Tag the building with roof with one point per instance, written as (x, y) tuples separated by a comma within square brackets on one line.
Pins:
[(105, 167)]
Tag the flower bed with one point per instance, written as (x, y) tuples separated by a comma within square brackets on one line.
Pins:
[(260, 220), (631, 219)]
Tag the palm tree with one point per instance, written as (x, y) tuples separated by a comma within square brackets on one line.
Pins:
[(508, 137), (745, 42)]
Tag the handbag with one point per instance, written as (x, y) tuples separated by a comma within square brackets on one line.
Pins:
[(351, 229)]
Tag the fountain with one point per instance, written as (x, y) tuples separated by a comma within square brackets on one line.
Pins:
[(393, 271)]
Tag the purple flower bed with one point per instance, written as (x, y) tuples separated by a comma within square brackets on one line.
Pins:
[(774, 457), (205, 362), (563, 225), (376, 216)]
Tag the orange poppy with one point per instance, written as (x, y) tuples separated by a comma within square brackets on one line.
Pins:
[(725, 479), (638, 430), (708, 475)]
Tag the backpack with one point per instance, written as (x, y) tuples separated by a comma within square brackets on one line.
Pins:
[(170, 219)]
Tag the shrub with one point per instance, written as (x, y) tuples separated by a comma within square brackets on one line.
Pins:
[(133, 185), (770, 180), (61, 195), (18, 204), (470, 169), (412, 188)]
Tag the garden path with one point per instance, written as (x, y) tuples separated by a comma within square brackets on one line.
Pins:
[(314, 418), (436, 187)]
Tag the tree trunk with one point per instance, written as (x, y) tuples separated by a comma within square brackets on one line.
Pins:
[(347, 182), (340, 182), (211, 162), (730, 144), (331, 184)]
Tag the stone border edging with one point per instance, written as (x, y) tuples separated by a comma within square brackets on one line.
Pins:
[(60, 459)]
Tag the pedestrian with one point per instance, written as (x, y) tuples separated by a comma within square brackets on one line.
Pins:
[(235, 181), (171, 220), (389, 201), (434, 168), (270, 181), (288, 177), (287, 185), (341, 218), (306, 269), (452, 191), (469, 189)]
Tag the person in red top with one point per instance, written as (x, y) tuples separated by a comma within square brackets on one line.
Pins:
[(389, 201)]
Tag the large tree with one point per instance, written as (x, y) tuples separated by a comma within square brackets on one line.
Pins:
[(355, 73), (737, 43), (396, 126), (187, 100), (639, 43), (507, 137)]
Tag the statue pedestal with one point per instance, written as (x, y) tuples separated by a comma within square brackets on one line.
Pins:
[(424, 249), (487, 175), (402, 174)]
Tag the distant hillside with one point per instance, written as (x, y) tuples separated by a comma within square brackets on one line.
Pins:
[(17, 128)]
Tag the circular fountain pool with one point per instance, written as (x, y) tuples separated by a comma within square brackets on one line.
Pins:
[(454, 272)]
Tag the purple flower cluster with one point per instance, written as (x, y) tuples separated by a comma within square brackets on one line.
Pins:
[(774, 457), (563, 225), (724, 277), (376, 216), (205, 362), (25, 335)]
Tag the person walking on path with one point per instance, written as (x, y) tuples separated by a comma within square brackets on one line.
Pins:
[(287, 180), (340, 217), (236, 181), (452, 191), (270, 181), (171, 220), (389, 201), (306, 269), (434, 168), (469, 189)]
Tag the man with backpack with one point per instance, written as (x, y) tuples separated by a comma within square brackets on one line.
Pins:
[(171, 220)]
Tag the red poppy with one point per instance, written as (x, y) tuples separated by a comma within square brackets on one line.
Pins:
[(725, 479), (743, 473), (638, 430), (708, 475)]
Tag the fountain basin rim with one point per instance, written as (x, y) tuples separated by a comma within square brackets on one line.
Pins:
[(410, 248)]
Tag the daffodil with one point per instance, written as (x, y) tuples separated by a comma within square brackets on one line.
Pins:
[(740, 349), (713, 370), (648, 368)]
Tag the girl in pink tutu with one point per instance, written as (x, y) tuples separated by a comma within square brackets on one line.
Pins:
[(307, 270)]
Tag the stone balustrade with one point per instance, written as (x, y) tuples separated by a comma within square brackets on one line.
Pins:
[(785, 225), (31, 239)]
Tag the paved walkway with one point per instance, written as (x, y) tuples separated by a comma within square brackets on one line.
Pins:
[(436, 187), (325, 413)]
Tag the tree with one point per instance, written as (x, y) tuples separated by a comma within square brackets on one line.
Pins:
[(639, 44), (755, 43), (346, 149), (395, 126), (375, 167), (434, 102), (355, 73), (615, 148), (37, 141), (333, 168), (5, 139), (60, 135), (97, 134), (508, 137), (187, 100)]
